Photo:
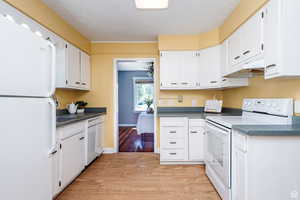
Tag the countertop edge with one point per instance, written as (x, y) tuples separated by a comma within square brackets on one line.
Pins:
[(81, 118)]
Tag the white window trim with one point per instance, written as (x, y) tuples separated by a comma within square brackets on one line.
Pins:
[(135, 90)]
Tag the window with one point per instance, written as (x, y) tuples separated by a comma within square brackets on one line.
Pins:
[(143, 88)]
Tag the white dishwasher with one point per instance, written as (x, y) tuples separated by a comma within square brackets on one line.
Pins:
[(93, 141)]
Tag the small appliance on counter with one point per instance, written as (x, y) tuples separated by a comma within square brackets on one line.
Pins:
[(213, 106), (72, 108)]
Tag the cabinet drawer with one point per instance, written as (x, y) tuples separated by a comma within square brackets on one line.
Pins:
[(70, 130), (173, 132), (171, 143), (173, 121), (172, 155)]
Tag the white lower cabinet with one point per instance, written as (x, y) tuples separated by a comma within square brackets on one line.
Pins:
[(265, 167), (196, 140), (238, 173), (69, 159), (182, 140), (72, 150), (72, 158)]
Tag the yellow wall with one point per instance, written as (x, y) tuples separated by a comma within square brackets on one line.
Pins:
[(101, 94), (189, 42), (66, 96), (38, 11), (261, 88)]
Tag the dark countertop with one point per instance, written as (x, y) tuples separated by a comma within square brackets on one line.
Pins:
[(250, 130), (64, 118), (269, 130), (194, 112)]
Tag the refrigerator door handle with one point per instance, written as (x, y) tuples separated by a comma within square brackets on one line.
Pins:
[(53, 127), (53, 66)]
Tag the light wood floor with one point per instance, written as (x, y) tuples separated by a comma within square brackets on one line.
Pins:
[(138, 176)]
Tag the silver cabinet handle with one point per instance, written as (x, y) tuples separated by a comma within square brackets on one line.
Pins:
[(172, 132), (246, 52), (172, 142), (81, 138), (213, 81), (236, 58), (194, 132), (184, 83), (83, 83), (173, 154), (54, 152), (224, 80), (173, 83), (77, 83), (269, 66)]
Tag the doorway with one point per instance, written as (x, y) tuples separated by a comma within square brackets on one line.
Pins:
[(135, 122)]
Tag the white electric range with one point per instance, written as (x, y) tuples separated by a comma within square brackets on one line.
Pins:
[(218, 136)]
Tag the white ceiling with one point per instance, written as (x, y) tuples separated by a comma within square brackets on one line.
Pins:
[(119, 20)]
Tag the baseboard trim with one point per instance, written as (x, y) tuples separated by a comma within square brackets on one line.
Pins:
[(108, 151), (127, 125)]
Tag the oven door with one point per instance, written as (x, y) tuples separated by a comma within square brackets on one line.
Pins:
[(218, 150)]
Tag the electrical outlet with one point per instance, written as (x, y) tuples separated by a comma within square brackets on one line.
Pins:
[(180, 98)]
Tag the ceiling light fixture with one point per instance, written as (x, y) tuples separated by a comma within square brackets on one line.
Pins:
[(152, 4)]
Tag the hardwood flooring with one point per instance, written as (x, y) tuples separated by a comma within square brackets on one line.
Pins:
[(130, 141), (139, 176)]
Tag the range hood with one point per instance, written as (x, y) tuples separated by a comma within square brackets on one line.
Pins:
[(250, 68)]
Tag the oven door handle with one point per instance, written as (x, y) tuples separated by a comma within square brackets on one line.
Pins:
[(218, 129)]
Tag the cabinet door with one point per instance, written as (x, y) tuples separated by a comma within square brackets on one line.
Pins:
[(71, 158), (224, 59), (234, 45), (252, 31), (271, 37), (196, 144), (73, 66), (170, 69), (210, 67), (189, 69), (238, 174), (85, 70)]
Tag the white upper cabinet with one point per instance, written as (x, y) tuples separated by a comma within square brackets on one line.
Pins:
[(245, 46), (197, 70), (169, 69), (252, 36), (85, 67), (281, 39), (73, 67), (179, 69), (210, 67)]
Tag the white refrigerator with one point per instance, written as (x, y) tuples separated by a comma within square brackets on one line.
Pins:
[(27, 113)]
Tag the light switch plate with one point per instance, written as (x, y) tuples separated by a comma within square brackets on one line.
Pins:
[(297, 107)]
